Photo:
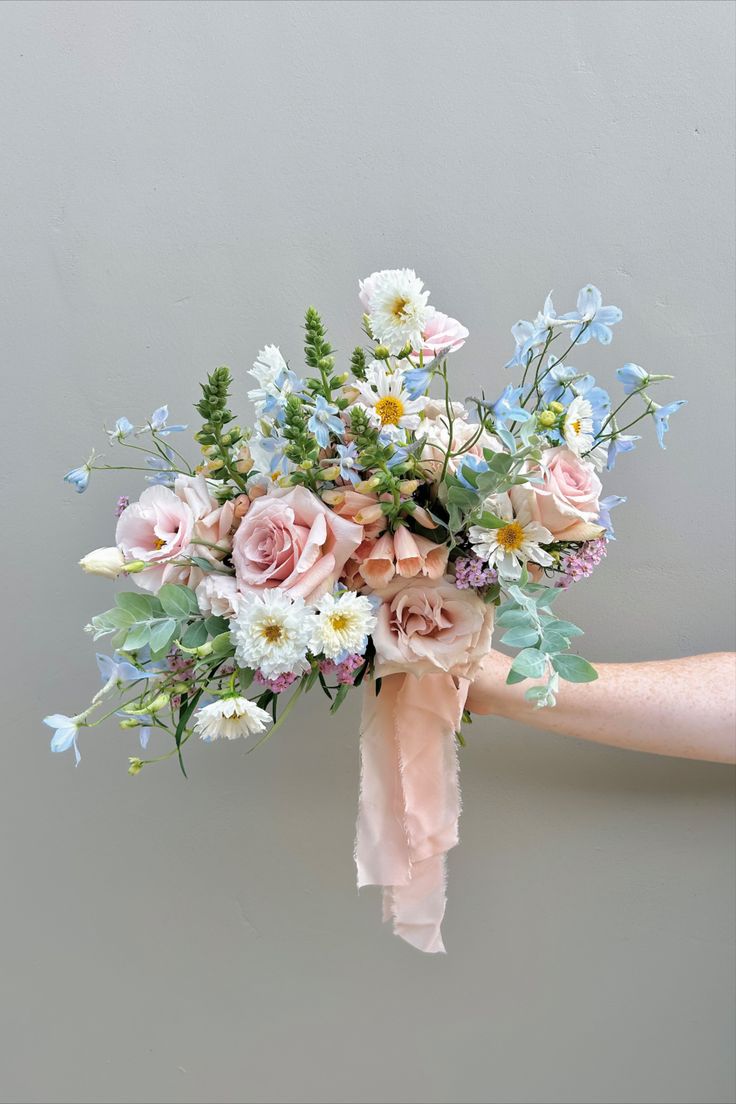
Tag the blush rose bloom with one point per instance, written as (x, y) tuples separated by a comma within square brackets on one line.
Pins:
[(217, 595), (441, 333), (568, 501), (291, 540), (438, 441), (427, 627)]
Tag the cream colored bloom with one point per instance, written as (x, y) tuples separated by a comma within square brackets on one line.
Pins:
[(230, 718)]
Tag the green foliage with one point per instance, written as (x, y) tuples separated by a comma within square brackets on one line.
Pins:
[(220, 443), (302, 449), (358, 364), (317, 350), (143, 620)]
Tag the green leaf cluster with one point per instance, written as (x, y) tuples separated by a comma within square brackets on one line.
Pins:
[(158, 621)]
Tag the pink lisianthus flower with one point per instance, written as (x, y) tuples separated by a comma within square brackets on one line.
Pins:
[(157, 529), (425, 627), (441, 334), (293, 541)]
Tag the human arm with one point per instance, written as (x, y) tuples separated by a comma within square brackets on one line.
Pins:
[(682, 707)]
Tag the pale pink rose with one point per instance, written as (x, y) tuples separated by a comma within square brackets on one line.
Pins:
[(425, 627), (217, 595), (212, 522), (292, 540), (156, 529), (567, 502), (441, 334)]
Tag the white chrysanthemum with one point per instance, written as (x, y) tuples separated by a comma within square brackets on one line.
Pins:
[(513, 544), (230, 718), (397, 307), (266, 369), (271, 632), (343, 624), (387, 401), (578, 427)]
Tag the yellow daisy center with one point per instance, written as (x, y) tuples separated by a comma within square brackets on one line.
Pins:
[(577, 426), (274, 634), (339, 621), (390, 410), (511, 537), (399, 306)]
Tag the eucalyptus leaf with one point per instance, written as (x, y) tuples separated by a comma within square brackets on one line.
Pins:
[(510, 616), (573, 668), (138, 637), (217, 625), (140, 606), (178, 601), (530, 663), (161, 634), (520, 637), (195, 635)]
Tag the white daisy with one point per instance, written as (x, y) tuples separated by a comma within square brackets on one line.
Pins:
[(271, 632), (397, 307), (230, 718), (578, 427), (343, 624), (387, 400), (513, 544), (267, 368)]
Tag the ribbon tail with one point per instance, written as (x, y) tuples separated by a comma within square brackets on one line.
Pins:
[(410, 799)]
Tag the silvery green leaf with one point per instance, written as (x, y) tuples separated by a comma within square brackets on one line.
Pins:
[(530, 663), (195, 635), (138, 637), (565, 627), (520, 637), (548, 596), (513, 677), (512, 616), (162, 633), (178, 601), (217, 625), (507, 438), (574, 668), (135, 603), (554, 642), (223, 644)]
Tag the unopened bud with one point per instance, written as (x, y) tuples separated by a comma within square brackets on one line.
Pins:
[(136, 766), (135, 567), (367, 325), (241, 505), (256, 491), (367, 485), (330, 473), (547, 418), (130, 722), (333, 497), (244, 461), (327, 363), (382, 352), (342, 378), (369, 514), (108, 562), (425, 519), (558, 408), (406, 351), (408, 487)]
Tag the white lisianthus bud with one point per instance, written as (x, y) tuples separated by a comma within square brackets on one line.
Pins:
[(103, 561)]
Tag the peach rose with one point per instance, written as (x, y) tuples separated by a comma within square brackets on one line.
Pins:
[(291, 540), (425, 627), (567, 503)]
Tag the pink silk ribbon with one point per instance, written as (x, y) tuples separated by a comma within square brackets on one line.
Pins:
[(410, 798)]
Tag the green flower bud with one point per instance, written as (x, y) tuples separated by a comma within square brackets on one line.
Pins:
[(382, 352), (136, 766), (547, 418), (130, 722), (135, 567), (558, 408)]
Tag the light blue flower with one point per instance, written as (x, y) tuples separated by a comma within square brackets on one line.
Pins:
[(632, 377), (65, 733), (416, 381), (604, 518), (123, 428), (123, 671), (528, 336), (563, 382), (286, 383), (79, 478), (347, 459), (662, 418), (398, 456), (474, 464), (269, 454), (145, 723), (599, 319), (620, 442), (157, 423), (507, 409), (325, 420), (165, 474)]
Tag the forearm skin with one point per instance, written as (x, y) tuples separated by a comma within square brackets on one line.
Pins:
[(680, 707)]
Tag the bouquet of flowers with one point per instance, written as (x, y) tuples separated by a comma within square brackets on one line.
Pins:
[(368, 529)]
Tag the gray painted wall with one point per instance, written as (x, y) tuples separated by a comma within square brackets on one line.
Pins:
[(179, 181)]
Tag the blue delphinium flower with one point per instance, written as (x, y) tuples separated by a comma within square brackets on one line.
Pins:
[(662, 418), (604, 518), (325, 420), (164, 473), (122, 671), (473, 463), (286, 383), (145, 726), (599, 319), (563, 383), (635, 378), (528, 336), (347, 460), (416, 381), (620, 442), (122, 429), (79, 478), (65, 733), (157, 423), (507, 409)]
